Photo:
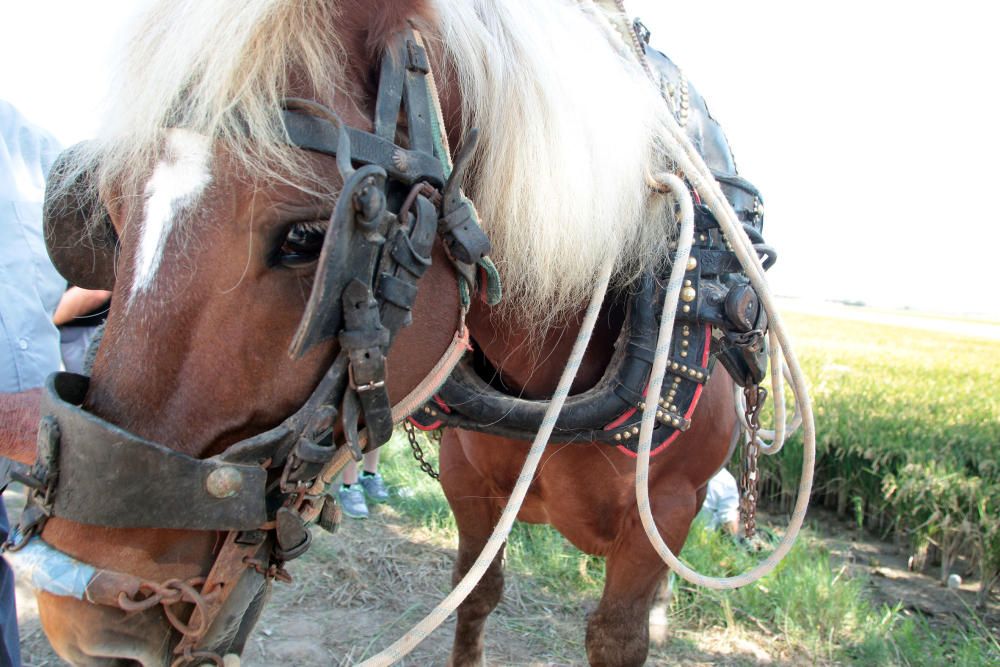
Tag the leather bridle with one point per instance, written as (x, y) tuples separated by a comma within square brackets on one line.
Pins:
[(264, 491)]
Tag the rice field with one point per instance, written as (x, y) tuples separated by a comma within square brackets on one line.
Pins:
[(908, 436)]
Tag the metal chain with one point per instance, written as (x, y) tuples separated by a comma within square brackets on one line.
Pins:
[(168, 594), (271, 571), (755, 398), (418, 451)]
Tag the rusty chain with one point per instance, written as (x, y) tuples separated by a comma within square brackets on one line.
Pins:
[(168, 594), (418, 451), (755, 398), (271, 571)]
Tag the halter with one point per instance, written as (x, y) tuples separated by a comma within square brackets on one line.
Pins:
[(265, 490)]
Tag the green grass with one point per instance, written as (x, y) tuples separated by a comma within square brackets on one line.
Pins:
[(908, 427), (817, 609)]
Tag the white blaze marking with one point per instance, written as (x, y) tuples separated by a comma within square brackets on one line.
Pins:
[(176, 183)]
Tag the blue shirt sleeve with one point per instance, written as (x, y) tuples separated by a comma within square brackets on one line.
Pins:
[(30, 287)]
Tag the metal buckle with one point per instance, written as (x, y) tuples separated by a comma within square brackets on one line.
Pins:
[(374, 384), (368, 386)]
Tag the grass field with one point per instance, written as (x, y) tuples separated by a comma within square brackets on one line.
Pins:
[(909, 438), (908, 427)]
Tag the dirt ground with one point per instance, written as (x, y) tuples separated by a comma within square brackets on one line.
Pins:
[(357, 591)]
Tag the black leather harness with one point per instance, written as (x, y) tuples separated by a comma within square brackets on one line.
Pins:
[(719, 318), (264, 490)]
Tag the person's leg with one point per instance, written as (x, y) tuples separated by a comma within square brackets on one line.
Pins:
[(350, 474), (372, 482), (351, 494), (10, 647), (371, 461)]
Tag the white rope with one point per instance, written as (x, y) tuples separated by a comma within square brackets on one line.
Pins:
[(420, 631), (691, 164)]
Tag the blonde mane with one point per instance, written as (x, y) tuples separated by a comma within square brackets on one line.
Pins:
[(220, 69), (569, 126)]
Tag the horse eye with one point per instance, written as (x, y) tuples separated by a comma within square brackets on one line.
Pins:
[(302, 245)]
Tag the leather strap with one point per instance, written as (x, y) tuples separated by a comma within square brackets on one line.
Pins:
[(406, 166), (111, 477)]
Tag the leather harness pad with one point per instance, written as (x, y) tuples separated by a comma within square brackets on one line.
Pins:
[(608, 412), (128, 482)]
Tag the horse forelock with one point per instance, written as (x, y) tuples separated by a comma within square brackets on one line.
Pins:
[(569, 128), (220, 70)]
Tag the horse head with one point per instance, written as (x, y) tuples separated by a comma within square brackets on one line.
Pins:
[(275, 178), (263, 259)]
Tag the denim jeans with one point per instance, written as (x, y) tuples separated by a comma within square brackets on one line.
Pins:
[(10, 648)]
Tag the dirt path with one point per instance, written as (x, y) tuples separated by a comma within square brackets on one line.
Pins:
[(359, 590), (890, 581)]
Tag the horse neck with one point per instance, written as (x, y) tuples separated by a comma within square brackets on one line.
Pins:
[(530, 362)]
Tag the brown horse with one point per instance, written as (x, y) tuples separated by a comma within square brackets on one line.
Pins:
[(216, 219), (585, 491)]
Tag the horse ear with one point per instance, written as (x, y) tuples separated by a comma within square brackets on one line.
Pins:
[(79, 236)]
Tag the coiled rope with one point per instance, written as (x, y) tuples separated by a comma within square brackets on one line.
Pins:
[(692, 166)]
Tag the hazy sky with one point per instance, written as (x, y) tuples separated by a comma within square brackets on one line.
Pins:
[(870, 127)]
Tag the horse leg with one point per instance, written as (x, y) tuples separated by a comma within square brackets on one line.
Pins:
[(618, 630), (475, 517)]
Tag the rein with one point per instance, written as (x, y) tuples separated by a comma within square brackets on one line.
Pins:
[(264, 491)]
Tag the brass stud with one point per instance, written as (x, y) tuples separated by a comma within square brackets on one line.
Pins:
[(427, 409), (692, 263), (626, 435), (659, 414), (674, 365), (684, 353), (684, 368), (675, 422), (434, 413), (618, 437), (684, 343), (677, 380), (688, 294), (674, 408), (701, 375), (224, 482), (635, 430), (686, 309), (687, 283)]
